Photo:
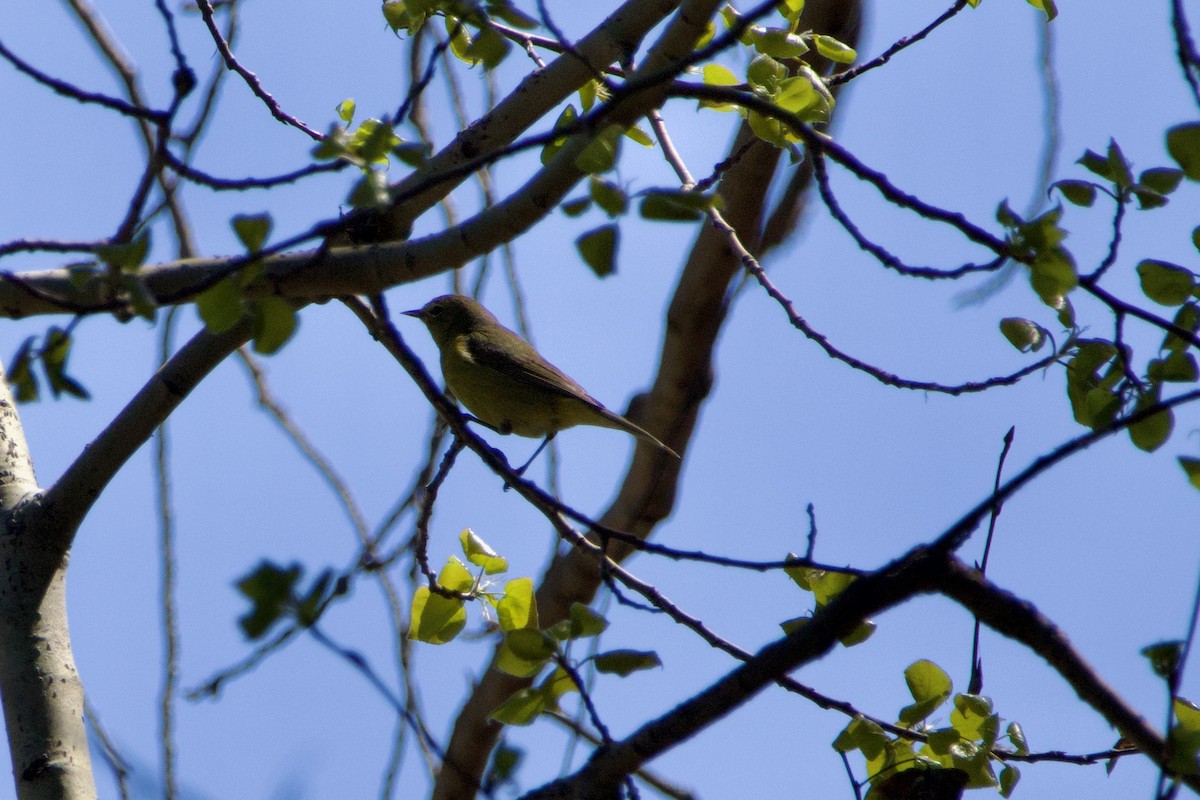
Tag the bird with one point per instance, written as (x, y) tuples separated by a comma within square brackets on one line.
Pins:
[(505, 383)]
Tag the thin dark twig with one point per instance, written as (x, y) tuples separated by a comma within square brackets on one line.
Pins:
[(1114, 244), (252, 81), (812, 532), (585, 696), (202, 178), (815, 141), (50, 246), (422, 542), (850, 775), (172, 35), (754, 268), (418, 88), (70, 90), (821, 173), (212, 686), (108, 750), (900, 44), (975, 684), (1185, 48)]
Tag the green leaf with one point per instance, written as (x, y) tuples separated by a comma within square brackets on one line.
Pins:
[(137, 297), (600, 154), (765, 73), (346, 108), (274, 322), (521, 708), (20, 373), (573, 208), (529, 644), (1178, 367), (480, 554), (518, 607), (436, 619), (1121, 169), (1023, 334), (1016, 735), (863, 735), (674, 206), (626, 662), (396, 16), (778, 42), (221, 306), (719, 75), (269, 588), (1191, 466), (1187, 318), (1164, 657), (412, 154), (1164, 283), (581, 622), (373, 140), (929, 686), (1051, 12), (334, 144), (1152, 432), (556, 684), (1052, 275), (1080, 193), (460, 39), (1148, 198), (862, 631), (510, 663), (308, 608), (252, 230), (1184, 741), (1009, 776), (941, 740), (598, 248), (512, 15), (488, 48), (370, 191), (834, 50), (611, 199), (769, 129), (638, 135), (506, 759), (972, 714), (588, 94), (826, 585), (56, 349), (1097, 164), (790, 9), (1183, 143), (1163, 180), (798, 95), (126, 256)]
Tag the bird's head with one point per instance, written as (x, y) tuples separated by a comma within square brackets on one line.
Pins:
[(452, 315)]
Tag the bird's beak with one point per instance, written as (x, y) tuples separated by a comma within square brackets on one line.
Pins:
[(416, 312)]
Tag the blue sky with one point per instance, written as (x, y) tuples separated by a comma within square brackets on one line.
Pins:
[(1103, 544)]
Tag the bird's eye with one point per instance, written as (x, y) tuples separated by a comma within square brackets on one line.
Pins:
[(433, 312)]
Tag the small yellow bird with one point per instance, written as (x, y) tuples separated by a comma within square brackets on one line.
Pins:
[(505, 383)]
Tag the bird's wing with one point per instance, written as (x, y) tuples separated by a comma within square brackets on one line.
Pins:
[(530, 367)]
